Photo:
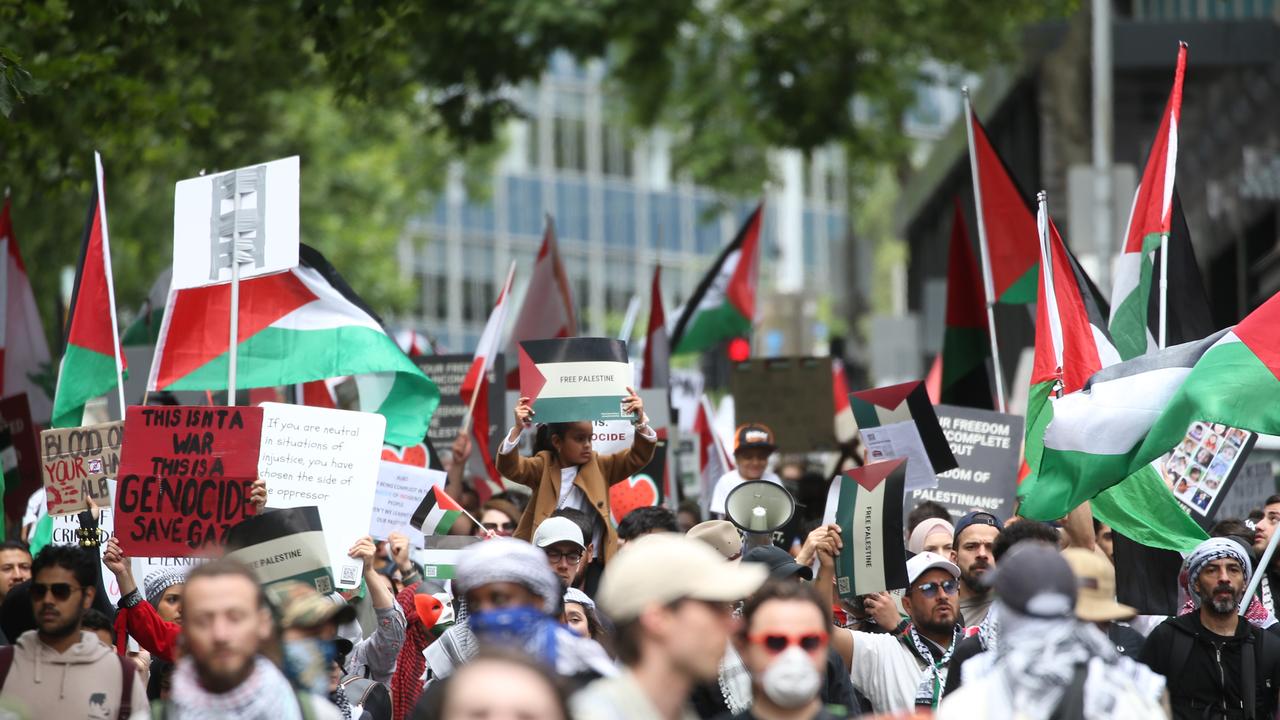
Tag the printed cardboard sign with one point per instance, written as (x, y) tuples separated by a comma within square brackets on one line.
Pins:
[(284, 545), (987, 446), (260, 201), (803, 422), (573, 379), (401, 489), (643, 489), (867, 504), (1202, 468), (185, 477), (76, 464), (327, 458), (898, 421)]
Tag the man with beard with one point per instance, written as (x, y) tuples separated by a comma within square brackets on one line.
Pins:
[(901, 672), (60, 670), (1269, 588), (975, 539), (1215, 663)]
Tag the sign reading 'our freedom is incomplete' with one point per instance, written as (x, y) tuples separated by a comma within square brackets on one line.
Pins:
[(573, 379), (185, 477)]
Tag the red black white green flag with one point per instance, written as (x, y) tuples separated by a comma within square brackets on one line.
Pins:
[(723, 306)]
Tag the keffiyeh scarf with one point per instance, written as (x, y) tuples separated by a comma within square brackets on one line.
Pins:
[(264, 695), (929, 694)]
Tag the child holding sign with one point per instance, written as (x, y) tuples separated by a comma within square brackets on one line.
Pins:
[(565, 472)]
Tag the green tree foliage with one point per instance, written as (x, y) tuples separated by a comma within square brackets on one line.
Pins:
[(379, 96)]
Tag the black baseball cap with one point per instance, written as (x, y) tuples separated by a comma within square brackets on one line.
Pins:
[(780, 563), (977, 517), (753, 435), (1034, 579)]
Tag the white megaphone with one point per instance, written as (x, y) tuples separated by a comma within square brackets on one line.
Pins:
[(758, 508)]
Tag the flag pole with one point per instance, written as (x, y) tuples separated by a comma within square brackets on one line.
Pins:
[(111, 291), (987, 283), (1164, 289), (234, 333)]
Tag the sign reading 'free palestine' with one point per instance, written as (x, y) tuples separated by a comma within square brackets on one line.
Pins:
[(573, 379)]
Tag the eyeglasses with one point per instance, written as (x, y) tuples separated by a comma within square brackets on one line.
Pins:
[(930, 589), (60, 591), (775, 643), (555, 556), (495, 527)]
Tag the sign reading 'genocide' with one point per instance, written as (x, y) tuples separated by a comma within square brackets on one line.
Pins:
[(185, 477)]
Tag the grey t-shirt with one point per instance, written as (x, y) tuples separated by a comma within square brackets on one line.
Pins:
[(974, 609)]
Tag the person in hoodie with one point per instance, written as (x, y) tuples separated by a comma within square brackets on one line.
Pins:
[(59, 669), (752, 446)]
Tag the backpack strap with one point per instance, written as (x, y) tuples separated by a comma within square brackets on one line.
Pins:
[(6, 662), (1179, 652), (1071, 704), (127, 669), (1249, 674)]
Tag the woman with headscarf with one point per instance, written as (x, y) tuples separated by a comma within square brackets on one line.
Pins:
[(932, 535)]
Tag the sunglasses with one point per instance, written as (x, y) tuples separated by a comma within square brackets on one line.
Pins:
[(775, 643), (60, 591), (573, 556), (495, 527), (930, 589)]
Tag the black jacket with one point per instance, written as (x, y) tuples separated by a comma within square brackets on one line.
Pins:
[(1204, 670)]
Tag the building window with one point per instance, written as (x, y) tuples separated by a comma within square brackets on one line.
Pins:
[(664, 220), (572, 205), (617, 151), (620, 217), (571, 144), (524, 206)]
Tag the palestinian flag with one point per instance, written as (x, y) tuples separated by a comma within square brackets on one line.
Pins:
[(1006, 223), (656, 370), (547, 310), (713, 460), (574, 379), (476, 385), (145, 329), (297, 326), (1071, 342), (1132, 413), (284, 544), (1187, 315), (723, 306), (966, 347), (1150, 220), (437, 513), (866, 502), (93, 362), (845, 426), (24, 352), (899, 421)]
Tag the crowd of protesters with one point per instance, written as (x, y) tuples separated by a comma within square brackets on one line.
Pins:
[(556, 613)]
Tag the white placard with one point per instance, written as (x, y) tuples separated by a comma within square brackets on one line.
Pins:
[(401, 489), (327, 458), (64, 533), (194, 221)]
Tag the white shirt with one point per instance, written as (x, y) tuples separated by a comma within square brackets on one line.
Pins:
[(886, 672), (731, 480), (571, 495), (35, 508)]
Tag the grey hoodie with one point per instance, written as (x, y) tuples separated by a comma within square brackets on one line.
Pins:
[(83, 682)]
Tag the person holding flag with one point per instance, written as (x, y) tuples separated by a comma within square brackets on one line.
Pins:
[(566, 472)]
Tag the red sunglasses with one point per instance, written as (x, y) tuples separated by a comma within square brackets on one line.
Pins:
[(777, 642)]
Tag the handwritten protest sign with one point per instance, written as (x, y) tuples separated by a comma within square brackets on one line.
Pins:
[(15, 413), (986, 444), (803, 422), (77, 462), (185, 477), (401, 489), (284, 545), (572, 379), (327, 458), (448, 372)]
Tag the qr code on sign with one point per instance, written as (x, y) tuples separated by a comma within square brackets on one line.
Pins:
[(844, 585), (323, 585), (349, 574)]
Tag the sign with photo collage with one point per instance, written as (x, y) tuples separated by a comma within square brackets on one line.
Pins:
[(1202, 467)]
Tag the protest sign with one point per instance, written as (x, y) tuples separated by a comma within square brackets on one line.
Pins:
[(643, 489), (15, 414), (1202, 468), (866, 503), (986, 445), (401, 489), (448, 372), (440, 556), (77, 462), (573, 379), (327, 458), (260, 202), (186, 474), (803, 422), (63, 532), (898, 421), (284, 545)]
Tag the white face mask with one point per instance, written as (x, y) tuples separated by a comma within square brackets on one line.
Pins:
[(791, 681)]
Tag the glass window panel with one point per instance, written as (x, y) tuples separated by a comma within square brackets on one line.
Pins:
[(571, 209), (524, 205), (619, 217)]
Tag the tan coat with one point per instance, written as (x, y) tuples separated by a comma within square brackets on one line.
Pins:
[(541, 473)]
